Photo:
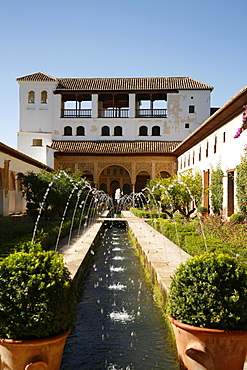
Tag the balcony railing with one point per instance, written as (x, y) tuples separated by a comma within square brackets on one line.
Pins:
[(114, 113), (151, 113), (76, 113)]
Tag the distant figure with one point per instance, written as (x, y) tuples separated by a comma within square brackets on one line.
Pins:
[(117, 195)]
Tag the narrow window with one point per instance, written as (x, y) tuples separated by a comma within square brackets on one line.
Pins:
[(155, 131), (206, 149), (31, 97), (224, 137), (191, 109), (80, 131), (200, 154), (105, 131), (37, 142), (187, 125), (143, 131), (44, 97), (118, 131), (68, 131), (189, 159), (215, 144), (193, 157)]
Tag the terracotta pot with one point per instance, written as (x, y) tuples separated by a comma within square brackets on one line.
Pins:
[(209, 349), (43, 354)]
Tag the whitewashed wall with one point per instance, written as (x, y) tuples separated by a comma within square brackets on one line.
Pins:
[(42, 121), (228, 154)]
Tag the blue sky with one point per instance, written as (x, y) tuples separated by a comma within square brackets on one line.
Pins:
[(130, 38)]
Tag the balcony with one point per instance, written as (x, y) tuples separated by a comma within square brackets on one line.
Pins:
[(113, 113), (76, 113), (151, 113)]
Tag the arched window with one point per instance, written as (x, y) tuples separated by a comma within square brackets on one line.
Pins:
[(103, 187), (80, 131), (143, 131), (155, 131), (43, 97), (31, 97), (105, 131), (68, 131), (118, 131)]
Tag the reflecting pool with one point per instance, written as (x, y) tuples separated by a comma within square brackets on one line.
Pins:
[(118, 325)]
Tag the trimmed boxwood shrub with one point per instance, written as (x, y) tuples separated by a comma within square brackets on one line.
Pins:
[(37, 295), (210, 291)]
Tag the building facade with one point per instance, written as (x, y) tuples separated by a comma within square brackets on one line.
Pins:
[(213, 144), (118, 131), (12, 162)]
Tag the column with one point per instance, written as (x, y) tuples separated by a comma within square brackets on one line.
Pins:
[(132, 105), (95, 98)]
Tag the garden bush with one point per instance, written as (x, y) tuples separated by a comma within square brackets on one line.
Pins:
[(237, 218), (37, 295), (210, 291)]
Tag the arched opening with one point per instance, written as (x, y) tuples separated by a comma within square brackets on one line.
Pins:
[(141, 181), (114, 185), (164, 174), (155, 131), (103, 187), (118, 131), (80, 131), (126, 189), (143, 131), (114, 177), (105, 131), (67, 131), (43, 98), (31, 97)]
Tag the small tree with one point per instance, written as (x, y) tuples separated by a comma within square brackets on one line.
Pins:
[(35, 185), (216, 189), (241, 184), (179, 193)]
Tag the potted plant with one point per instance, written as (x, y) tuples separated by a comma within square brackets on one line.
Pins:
[(202, 211), (37, 309), (207, 309)]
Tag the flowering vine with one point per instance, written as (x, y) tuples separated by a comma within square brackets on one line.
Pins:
[(244, 123)]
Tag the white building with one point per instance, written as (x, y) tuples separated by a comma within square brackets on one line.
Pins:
[(213, 144), (12, 162), (165, 109)]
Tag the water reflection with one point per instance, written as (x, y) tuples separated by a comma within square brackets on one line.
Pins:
[(117, 326)]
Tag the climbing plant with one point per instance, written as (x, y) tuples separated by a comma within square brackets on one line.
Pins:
[(241, 184), (216, 189)]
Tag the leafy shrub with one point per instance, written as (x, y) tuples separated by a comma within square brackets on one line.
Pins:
[(147, 214), (237, 218), (202, 209), (194, 243), (37, 295), (210, 291)]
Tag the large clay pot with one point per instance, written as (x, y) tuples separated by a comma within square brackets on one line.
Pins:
[(209, 349), (43, 354)]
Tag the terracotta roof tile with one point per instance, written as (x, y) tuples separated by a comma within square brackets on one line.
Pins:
[(120, 84), (40, 76), (114, 147), (131, 84)]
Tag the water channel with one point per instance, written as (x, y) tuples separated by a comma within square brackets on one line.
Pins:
[(118, 325)]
